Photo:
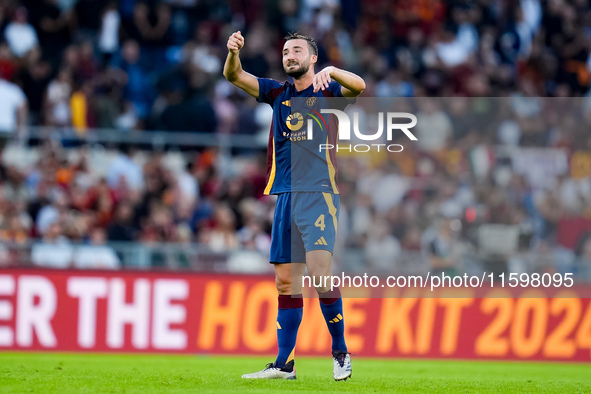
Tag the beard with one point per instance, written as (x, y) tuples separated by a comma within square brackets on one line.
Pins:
[(297, 72)]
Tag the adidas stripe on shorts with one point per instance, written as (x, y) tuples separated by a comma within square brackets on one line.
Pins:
[(303, 221)]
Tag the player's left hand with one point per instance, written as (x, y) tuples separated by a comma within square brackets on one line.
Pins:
[(322, 79)]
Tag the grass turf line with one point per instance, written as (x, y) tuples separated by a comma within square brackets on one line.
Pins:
[(102, 373)]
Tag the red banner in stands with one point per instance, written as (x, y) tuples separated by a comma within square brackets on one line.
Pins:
[(228, 314)]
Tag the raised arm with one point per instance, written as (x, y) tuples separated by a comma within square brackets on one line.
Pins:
[(233, 68), (352, 85)]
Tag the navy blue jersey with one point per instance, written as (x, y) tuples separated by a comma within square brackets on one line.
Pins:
[(295, 164)]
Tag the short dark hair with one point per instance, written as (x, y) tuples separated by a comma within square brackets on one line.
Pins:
[(312, 46)]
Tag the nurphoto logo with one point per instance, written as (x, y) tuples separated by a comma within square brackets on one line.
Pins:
[(344, 131)]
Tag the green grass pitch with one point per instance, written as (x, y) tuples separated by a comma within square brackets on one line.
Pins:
[(102, 373)]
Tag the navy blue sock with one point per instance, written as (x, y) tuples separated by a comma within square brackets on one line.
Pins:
[(331, 305), (289, 317)]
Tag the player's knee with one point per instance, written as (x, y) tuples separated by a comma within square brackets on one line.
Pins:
[(283, 285), (322, 284), (322, 290)]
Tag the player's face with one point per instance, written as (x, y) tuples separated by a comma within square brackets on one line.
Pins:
[(297, 58)]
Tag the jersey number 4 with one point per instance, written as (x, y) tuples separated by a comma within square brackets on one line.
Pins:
[(320, 222)]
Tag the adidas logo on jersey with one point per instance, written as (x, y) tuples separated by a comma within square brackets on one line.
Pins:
[(321, 241)]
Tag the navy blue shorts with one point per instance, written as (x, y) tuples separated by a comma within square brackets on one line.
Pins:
[(303, 221)]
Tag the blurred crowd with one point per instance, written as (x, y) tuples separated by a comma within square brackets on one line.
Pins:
[(156, 66), (506, 186), (491, 184), (61, 200)]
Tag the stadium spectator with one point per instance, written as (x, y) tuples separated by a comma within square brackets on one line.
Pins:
[(201, 53), (124, 172), (382, 249), (54, 250), (81, 107), (253, 237), (151, 29), (53, 26), (87, 66), (13, 108), (101, 200), (434, 128), (35, 80), (19, 34), (52, 213), (57, 108), (13, 186), (122, 227), (96, 255), (439, 243), (137, 89), (188, 185), (222, 236), (108, 41), (14, 229), (8, 63)]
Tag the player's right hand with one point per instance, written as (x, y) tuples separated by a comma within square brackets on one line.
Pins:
[(235, 42)]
